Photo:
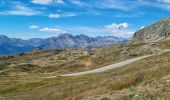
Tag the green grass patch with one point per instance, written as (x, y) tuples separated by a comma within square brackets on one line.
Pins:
[(20, 87), (138, 96), (62, 58), (3, 65), (83, 57)]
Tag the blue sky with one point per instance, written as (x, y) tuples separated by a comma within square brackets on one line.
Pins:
[(46, 18)]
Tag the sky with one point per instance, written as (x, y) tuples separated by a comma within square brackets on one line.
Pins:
[(46, 18)]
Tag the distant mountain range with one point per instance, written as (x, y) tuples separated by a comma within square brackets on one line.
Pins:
[(15, 45)]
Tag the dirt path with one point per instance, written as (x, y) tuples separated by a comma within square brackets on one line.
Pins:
[(109, 67)]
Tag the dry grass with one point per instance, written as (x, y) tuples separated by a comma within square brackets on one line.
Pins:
[(136, 81)]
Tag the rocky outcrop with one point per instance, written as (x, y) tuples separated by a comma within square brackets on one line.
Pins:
[(157, 31)]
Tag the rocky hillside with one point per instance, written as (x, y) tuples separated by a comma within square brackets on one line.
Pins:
[(155, 32)]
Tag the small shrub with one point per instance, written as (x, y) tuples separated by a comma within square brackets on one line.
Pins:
[(121, 84), (139, 76), (105, 98), (27, 67), (127, 82), (10, 56), (83, 57), (62, 58), (4, 73), (133, 55), (21, 54), (3, 66), (138, 96)]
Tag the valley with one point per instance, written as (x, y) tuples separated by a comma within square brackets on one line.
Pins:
[(84, 50), (31, 74)]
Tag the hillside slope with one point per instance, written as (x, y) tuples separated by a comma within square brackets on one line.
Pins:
[(21, 75), (155, 32)]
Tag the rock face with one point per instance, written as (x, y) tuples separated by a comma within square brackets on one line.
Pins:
[(78, 41), (157, 31)]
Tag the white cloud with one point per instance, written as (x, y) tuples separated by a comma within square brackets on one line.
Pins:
[(42, 2), (122, 33), (115, 4), (68, 14), (61, 15), (22, 10), (164, 1), (120, 30), (161, 4), (47, 2), (117, 26), (54, 16), (33, 27), (79, 3), (142, 27), (107, 4), (124, 5), (59, 1), (132, 4), (52, 30), (113, 30)]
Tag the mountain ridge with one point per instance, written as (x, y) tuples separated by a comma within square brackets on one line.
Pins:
[(16, 45), (78, 41)]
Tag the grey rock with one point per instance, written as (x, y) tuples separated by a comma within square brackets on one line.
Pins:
[(69, 41), (155, 32)]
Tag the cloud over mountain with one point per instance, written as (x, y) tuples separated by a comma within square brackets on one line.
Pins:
[(51, 30)]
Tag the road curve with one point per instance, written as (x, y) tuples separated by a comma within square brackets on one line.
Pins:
[(109, 67)]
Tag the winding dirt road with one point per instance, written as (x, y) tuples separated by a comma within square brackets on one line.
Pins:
[(112, 66), (109, 67)]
